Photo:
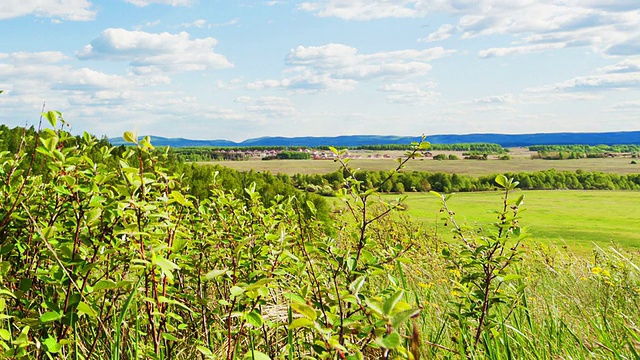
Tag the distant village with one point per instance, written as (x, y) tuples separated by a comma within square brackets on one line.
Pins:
[(314, 154)]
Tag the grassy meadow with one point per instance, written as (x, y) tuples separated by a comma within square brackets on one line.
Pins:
[(577, 219), (573, 218), (462, 167)]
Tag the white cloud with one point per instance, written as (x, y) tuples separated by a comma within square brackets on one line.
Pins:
[(149, 52), (362, 9), (147, 24), (620, 78), (519, 50), (496, 99), (625, 106), (78, 92), (231, 22), (73, 10), (410, 93), (306, 81), (269, 106), (444, 32), (44, 57), (44, 71), (606, 26), (624, 75), (202, 24), (625, 66), (630, 46), (142, 3), (599, 82), (341, 67)]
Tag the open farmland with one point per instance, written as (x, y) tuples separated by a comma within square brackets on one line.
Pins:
[(575, 218), (518, 163)]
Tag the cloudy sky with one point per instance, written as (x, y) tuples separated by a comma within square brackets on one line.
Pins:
[(210, 69)]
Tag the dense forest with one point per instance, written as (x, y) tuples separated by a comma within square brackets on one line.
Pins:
[(562, 152), (587, 149), (446, 182)]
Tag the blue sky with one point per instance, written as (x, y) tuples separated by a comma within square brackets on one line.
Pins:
[(250, 68)]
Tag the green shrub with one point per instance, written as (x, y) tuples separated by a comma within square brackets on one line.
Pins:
[(105, 254)]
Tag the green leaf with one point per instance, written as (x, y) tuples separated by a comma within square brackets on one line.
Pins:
[(520, 200), (180, 199), (236, 291), (304, 310), (52, 345), (25, 284), (166, 266), (300, 323), (93, 215), (255, 355), (374, 305), (214, 274), (84, 308), (399, 318), (356, 285), (169, 337), (50, 316), (312, 207), (254, 319), (7, 292), (357, 356), (104, 285), (391, 302), (50, 143), (511, 277), (436, 194), (206, 352), (502, 181), (5, 335), (129, 137), (23, 339), (391, 341), (52, 117)]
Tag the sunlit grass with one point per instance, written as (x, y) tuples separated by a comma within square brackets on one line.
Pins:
[(575, 218), (461, 167)]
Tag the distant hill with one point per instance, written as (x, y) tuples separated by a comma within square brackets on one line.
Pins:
[(506, 140)]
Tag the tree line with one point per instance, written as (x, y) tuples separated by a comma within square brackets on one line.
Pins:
[(416, 181), (587, 149)]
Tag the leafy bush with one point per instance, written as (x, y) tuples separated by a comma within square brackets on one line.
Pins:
[(105, 254)]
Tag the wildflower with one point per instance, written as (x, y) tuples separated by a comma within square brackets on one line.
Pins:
[(596, 270), (425, 285)]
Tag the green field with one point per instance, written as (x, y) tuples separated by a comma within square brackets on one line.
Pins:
[(462, 167), (575, 218)]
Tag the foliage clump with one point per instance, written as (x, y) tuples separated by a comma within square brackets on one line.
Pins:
[(107, 253)]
